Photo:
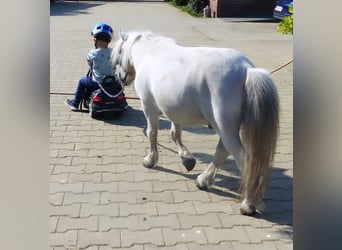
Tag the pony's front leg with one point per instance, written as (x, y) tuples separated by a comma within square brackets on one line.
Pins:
[(188, 160), (151, 159), (206, 179)]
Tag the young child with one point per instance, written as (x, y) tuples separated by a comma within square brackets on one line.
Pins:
[(99, 62)]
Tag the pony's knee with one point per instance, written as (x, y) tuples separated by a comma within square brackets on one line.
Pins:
[(151, 132), (175, 133), (236, 149)]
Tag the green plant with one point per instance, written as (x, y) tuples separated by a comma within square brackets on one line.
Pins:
[(181, 2), (286, 24), (186, 8), (198, 5)]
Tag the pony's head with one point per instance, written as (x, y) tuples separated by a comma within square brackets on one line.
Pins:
[(122, 56), (122, 52)]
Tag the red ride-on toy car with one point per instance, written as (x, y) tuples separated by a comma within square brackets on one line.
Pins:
[(110, 97)]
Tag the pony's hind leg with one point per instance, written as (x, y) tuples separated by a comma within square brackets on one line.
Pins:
[(206, 179), (231, 144), (235, 147), (188, 160)]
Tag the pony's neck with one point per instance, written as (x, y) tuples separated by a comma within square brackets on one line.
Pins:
[(141, 49)]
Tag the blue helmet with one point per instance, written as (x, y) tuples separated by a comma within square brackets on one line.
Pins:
[(103, 29)]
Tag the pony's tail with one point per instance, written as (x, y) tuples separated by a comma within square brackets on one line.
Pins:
[(260, 125)]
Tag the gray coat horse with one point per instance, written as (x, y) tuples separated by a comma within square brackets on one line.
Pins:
[(219, 87)]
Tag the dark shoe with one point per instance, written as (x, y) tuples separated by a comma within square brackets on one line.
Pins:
[(72, 104)]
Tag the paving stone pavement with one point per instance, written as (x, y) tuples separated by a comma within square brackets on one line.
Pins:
[(101, 195)]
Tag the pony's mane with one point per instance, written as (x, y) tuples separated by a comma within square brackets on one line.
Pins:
[(116, 51), (157, 38), (133, 36)]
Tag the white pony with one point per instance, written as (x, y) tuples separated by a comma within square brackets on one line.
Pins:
[(219, 87)]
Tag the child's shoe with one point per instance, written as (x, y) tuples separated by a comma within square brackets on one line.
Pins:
[(72, 104)]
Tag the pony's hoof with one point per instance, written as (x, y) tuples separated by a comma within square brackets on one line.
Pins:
[(204, 188), (200, 184), (249, 212), (247, 209), (147, 163), (188, 163)]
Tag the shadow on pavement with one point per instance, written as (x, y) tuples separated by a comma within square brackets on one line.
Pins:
[(136, 118), (71, 8), (278, 199)]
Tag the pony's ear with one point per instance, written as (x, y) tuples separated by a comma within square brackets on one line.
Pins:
[(123, 35)]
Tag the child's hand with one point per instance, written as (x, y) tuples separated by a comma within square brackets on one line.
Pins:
[(90, 62)]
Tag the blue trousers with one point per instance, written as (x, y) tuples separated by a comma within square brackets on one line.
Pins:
[(85, 83)]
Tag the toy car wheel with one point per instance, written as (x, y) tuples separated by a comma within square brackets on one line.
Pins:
[(92, 112), (86, 104)]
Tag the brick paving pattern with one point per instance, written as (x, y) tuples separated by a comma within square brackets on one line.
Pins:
[(101, 197)]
